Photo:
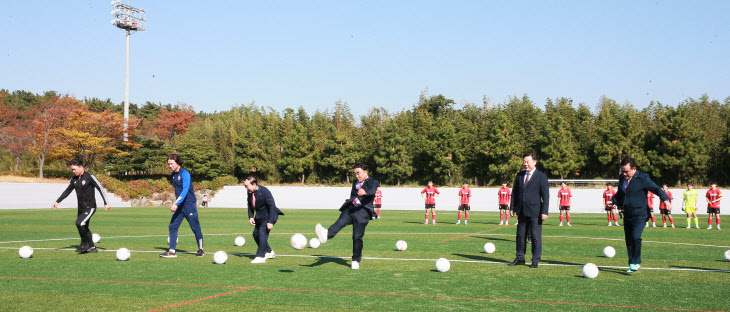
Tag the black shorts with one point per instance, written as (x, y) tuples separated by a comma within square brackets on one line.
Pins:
[(609, 208), (464, 207), (713, 210), (430, 206), (377, 205), (564, 207), (650, 209), (503, 207), (665, 211)]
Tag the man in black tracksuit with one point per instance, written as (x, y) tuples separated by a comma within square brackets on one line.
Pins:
[(84, 184)]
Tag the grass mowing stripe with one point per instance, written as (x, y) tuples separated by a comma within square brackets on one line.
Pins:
[(197, 300), (467, 235)]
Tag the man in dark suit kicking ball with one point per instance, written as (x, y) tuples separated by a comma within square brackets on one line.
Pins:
[(530, 198)]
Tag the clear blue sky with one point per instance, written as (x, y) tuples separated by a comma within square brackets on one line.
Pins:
[(217, 54)]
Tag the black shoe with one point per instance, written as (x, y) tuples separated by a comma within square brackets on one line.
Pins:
[(91, 250), (517, 262), (200, 253), (534, 264), (168, 254), (81, 248)]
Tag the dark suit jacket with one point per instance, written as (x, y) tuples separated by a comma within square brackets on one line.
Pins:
[(533, 200), (370, 185), (635, 194), (265, 207)]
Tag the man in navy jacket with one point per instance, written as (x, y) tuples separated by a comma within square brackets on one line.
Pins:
[(631, 195), (357, 210), (530, 202), (262, 214)]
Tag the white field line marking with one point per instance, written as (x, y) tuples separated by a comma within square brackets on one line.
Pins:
[(400, 259), (374, 233)]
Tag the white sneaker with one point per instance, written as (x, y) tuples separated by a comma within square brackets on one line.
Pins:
[(561, 224), (672, 225), (434, 222), (709, 227), (507, 223), (465, 222), (569, 224), (270, 255), (665, 225), (688, 226), (458, 222), (609, 224), (697, 226), (647, 224), (501, 222), (258, 260), (617, 224), (355, 265), (425, 222), (517, 222), (653, 224), (321, 233), (718, 226)]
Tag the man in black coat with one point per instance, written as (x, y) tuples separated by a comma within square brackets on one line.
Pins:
[(530, 199), (262, 203), (357, 210), (631, 195)]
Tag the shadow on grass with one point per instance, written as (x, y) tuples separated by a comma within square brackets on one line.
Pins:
[(480, 258), (614, 270), (286, 271), (326, 259), (698, 268), (494, 239)]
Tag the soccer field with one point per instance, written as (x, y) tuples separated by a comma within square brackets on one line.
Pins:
[(682, 269)]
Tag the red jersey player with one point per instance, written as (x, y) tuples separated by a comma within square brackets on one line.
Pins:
[(713, 204), (610, 211), (565, 196), (464, 196), (377, 203), (504, 195), (650, 208), (663, 207), (430, 193)]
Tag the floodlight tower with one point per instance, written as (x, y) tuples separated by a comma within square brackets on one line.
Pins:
[(130, 19)]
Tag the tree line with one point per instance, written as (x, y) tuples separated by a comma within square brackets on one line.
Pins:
[(434, 140)]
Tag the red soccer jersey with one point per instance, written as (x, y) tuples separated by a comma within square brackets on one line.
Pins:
[(504, 194), (430, 194), (607, 195), (662, 205), (464, 194), (713, 195), (565, 195), (378, 198), (650, 199)]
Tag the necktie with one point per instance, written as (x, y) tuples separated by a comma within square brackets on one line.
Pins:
[(527, 178), (253, 200)]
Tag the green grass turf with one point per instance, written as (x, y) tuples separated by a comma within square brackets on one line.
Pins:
[(295, 281)]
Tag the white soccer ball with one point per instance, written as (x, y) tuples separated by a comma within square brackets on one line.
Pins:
[(609, 252), (298, 241), (177, 239), (314, 242), (240, 241), (726, 255), (25, 252), (590, 270), (443, 265), (220, 257), (123, 254), (401, 245), (95, 238), (489, 248)]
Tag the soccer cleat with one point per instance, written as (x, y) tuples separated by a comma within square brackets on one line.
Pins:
[(709, 227), (434, 222), (672, 225), (517, 222), (507, 223), (91, 249), (647, 224), (355, 265), (653, 224), (168, 254), (378, 217), (617, 224), (321, 233), (258, 260), (458, 221), (569, 224), (465, 221), (425, 222), (697, 226), (561, 224), (609, 224), (718, 226), (81, 248), (665, 225), (270, 255), (688, 226), (200, 253)]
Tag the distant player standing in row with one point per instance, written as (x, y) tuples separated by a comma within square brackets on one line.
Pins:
[(565, 197), (663, 207), (84, 184), (430, 193), (378, 202), (610, 211), (713, 204), (689, 205), (464, 195), (504, 195), (183, 207), (650, 208)]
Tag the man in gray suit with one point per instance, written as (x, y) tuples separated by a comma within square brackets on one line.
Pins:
[(530, 198)]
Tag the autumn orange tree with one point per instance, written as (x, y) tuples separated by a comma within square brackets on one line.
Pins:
[(173, 123), (93, 136), (49, 116)]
